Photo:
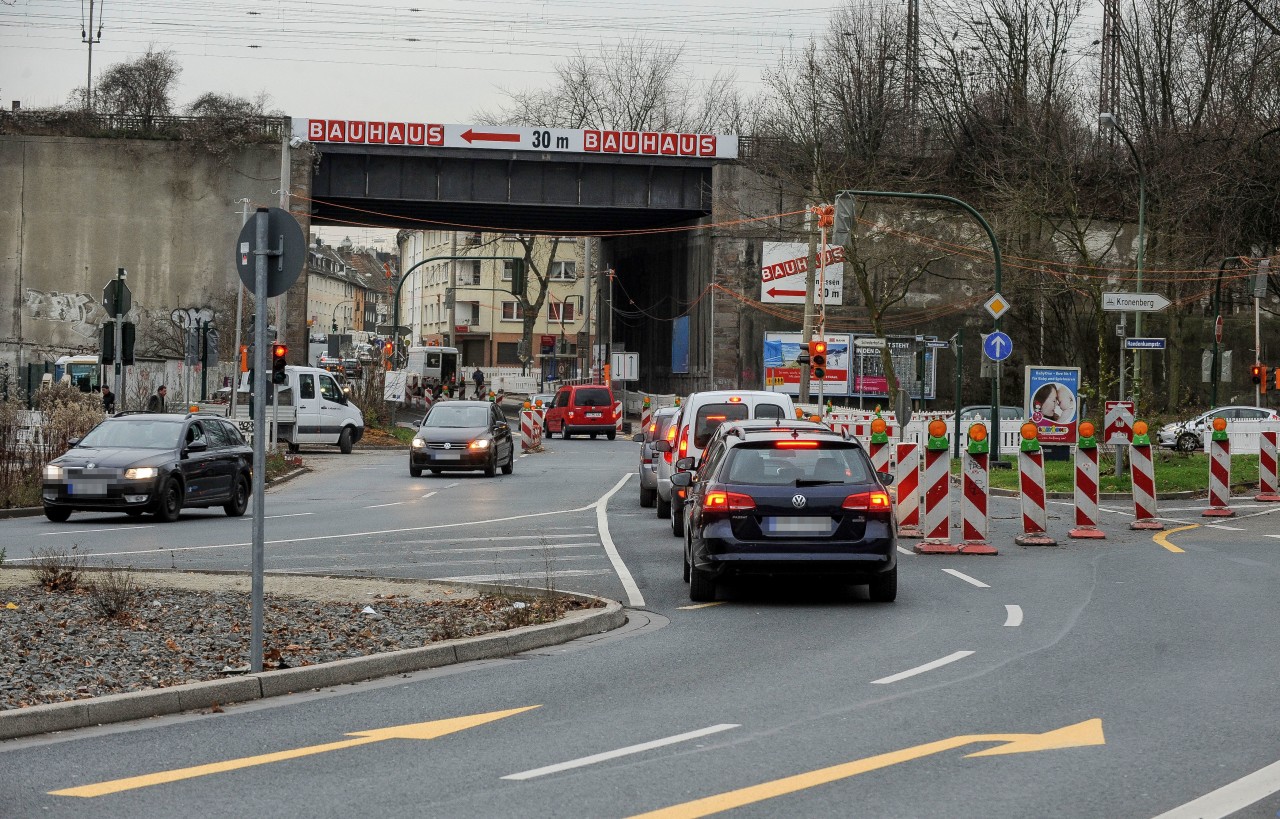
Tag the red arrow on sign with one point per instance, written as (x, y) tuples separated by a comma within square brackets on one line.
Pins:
[(773, 291), (474, 136)]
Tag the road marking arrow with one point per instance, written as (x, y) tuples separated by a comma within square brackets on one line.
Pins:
[(773, 291), (1081, 734), (420, 730), (482, 136)]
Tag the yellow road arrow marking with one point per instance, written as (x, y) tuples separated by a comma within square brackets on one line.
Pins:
[(421, 730), (1163, 538), (1081, 734)]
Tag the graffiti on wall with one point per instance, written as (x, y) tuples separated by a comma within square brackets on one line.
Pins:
[(77, 310)]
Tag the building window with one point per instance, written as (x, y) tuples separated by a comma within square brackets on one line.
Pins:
[(506, 270), (512, 311), (557, 309), (508, 354), (564, 271), (469, 273)]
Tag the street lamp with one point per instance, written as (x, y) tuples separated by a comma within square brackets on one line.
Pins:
[(1108, 120)]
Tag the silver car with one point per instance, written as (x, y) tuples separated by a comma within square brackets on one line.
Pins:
[(664, 458), (1189, 436), (657, 430)]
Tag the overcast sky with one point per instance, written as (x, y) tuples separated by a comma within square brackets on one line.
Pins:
[(422, 60)]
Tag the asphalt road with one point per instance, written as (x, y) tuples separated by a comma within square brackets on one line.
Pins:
[(1159, 666)]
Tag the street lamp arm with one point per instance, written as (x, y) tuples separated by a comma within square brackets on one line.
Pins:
[(395, 321)]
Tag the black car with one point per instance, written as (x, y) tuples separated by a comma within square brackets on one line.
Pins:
[(463, 435), (141, 462), (788, 500)]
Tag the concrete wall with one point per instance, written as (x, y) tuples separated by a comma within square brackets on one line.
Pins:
[(72, 210)]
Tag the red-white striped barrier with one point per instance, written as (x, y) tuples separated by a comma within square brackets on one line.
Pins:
[(1086, 494), (1219, 478), (908, 490), (879, 456), (646, 417), (617, 416), (973, 504), (1035, 519), (1268, 492), (1142, 475), (528, 423), (937, 504)]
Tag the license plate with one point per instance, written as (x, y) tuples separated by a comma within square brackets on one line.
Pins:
[(87, 488), (448, 456), (593, 415), (798, 526)]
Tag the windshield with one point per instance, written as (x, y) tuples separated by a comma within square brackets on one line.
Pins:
[(769, 465), (149, 434), (712, 416), (445, 415)]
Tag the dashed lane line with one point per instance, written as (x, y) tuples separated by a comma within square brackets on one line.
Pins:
[(1013, 616), (88, 531), (966, 578), (627, 751), (921, 669), (1231, 798)]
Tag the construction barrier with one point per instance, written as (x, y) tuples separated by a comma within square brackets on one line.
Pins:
[(1035, 518), (529, 427), (617, 417), (1268, 492), (1086, 485), (879, 448), (646, 415), (1143, 477), (975, 489), (908, 490), (937, 494), (1219, 472)]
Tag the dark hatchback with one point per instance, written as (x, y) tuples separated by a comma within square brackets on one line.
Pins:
[(463, 435), (139, 463), (788, 501)]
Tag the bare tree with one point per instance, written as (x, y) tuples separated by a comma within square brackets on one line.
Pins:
[(141, 88)]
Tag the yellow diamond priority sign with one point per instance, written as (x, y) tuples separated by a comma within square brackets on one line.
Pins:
[(997, 306)]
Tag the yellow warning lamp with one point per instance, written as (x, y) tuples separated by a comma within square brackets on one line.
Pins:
[(937, 437), (937, 429), (817, 419), (1029, 431), (527, 405), (1140, 428), (977, 432), (1140, 434), (1087, 429), (800, 413), (878, 426), (1219, 424), (978, 444)]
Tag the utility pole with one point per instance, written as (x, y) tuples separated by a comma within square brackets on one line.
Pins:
[(119, 333), (806, 328), (87, 36)]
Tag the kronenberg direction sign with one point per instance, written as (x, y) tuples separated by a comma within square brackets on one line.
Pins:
[(556, 140), (1134, 302)]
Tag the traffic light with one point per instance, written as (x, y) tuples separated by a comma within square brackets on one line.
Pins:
[(1259, 373), (817, 359), (108, 342), (128, 337), (388, 348), (334, 327), (843, 219), (244, 358), (1262, 385), (1277, 372), (519, 277), (278, 354)]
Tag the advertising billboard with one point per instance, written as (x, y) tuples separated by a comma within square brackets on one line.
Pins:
[(1052, 402)]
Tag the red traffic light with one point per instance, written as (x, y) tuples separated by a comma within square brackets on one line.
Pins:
[(279, 350), (1258, 373), (387, 348)]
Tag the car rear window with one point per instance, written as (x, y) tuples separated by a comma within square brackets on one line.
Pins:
[(769, 411), (592, 398), (660, 426), (711, 416), (769, 464)]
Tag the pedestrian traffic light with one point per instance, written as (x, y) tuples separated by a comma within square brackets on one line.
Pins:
[(128, 337), (1259, 373), (387, 349), (334, 327), (817, 359), (278, 354)]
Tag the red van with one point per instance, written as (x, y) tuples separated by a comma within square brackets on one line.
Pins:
[(582, 409)]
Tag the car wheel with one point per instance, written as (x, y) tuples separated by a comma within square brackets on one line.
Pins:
[(677, 523), (491, 468), (547, 433), (510, 465), (239, 498), (647, 497), (345, 443), (664, 508), (611, 435), (884, 589), (415, 472), (702, 589), (293, 447), (1188, 442), (56, 514), (170, 504)]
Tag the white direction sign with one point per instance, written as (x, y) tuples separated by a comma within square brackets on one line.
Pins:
[(997, 306), (871, 343), (1134, 302), (783, 269), (507, 138)]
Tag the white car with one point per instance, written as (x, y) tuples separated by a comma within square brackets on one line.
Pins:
[(1190, 436)]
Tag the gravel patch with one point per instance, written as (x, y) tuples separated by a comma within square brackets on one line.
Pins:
[(178, 628)]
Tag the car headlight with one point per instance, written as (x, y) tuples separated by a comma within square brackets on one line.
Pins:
[(418, 443), (141, 473), (52, 473), (480, 443)]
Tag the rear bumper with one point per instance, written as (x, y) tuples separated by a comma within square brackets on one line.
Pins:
[(648, 477)]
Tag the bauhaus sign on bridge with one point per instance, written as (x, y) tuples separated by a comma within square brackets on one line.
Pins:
[(561, 140)]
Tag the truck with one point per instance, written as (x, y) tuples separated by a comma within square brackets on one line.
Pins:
[(313, 409)]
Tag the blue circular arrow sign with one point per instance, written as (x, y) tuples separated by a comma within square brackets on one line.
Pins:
[(997, 346)]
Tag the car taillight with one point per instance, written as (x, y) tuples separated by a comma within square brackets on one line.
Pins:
[(727, 502), (646, 460), (877, 501), (671, 439), (796, 444), (684, 442)]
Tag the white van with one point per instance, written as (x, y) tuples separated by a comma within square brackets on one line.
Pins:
[(700, 415), (313, 410)]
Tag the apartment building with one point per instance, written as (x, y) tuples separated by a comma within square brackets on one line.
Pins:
[(467, 303)]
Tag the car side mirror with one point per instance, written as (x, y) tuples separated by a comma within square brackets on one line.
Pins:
[(662, 445), (197, 446), (73, 442), (685, 463), (886, 478), (682, 478)]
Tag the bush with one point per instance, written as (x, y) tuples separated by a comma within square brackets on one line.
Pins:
[(56, 569), (114, 592), (30, 440)]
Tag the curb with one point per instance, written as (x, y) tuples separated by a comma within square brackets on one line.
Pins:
[(63, 716), (1102, 496), (286, 477)]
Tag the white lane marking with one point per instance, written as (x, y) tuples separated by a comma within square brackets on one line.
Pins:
[(273, 517), (1224, 527), (370, 533), (1014, 617), (1230, 798), (429, 494), (451, 485), (634, 597), (627, 751), (920, 669), (87, 531), (906, 551), (490, 578), (525, 455), (966, 578), (380, 505)]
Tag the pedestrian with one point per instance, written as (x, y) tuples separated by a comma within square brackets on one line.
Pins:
[(478, 377), (108, 400), (156, 402)]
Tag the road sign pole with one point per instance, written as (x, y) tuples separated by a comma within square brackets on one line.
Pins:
[(822, 306), (259, 388), (119, 333)]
